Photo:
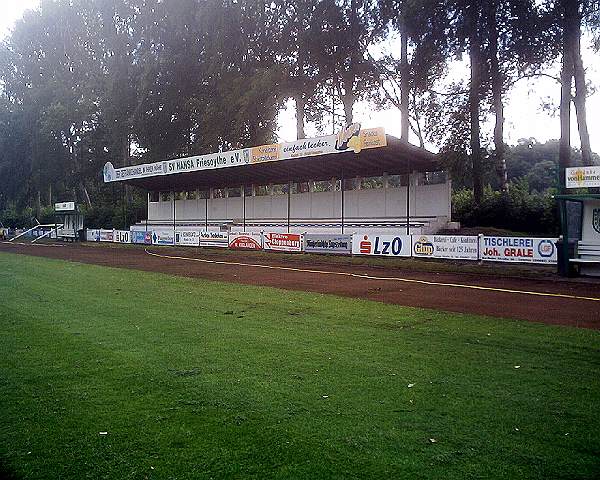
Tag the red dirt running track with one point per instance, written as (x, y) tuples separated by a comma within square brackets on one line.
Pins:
[(565, 310)]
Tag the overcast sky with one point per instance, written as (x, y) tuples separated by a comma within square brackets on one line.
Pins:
[(524, 116)]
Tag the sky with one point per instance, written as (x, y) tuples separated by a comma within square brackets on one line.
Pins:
[(524, 115)]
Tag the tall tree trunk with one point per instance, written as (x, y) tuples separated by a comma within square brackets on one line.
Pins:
[(476, 60), (348, 102), (580, 93), (404, 87), (300, 114), (497, 79), (566, 77)]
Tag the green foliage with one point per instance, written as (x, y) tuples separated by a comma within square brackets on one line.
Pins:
[(518, 210)]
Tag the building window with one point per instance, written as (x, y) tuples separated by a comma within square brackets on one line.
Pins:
[(433, 178), (234, 192), (261, 190), (300, 187), (397, 181), (204, 194), (280, 189), (192, 194), (165, 196), (351, 184), (154, 197), (323, 186), (371, 183), (247, 190), (218, 193)]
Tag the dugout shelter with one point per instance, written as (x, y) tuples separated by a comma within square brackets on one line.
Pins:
[(358, 179)]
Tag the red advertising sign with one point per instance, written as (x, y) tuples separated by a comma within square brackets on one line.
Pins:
[(283, 242), (245, 241)]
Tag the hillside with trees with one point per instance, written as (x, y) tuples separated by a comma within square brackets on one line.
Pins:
[(131, 81)]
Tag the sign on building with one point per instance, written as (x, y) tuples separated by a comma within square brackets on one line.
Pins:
[(456, 247), (283, 242), (64, 207), (386, 245), (518, 249), (581, 177), (327, 243)]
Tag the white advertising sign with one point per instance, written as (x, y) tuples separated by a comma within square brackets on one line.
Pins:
[(163, 237), (353, 138), (92, 235), (188, 238), (64, 206), (580, 177), (457, 247), (214, 239), (388, 245), (518, 249), (245, 240), (106, 235), (283, 242), (122, 236)]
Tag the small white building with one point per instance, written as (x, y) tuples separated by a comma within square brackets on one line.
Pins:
[(358, 179)]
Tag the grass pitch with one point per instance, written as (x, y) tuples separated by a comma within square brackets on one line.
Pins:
[(115, 374)]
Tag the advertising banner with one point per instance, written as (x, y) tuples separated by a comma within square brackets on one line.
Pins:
[(64, 206), (245, 240), (106, 235), (122, 236), (580, 177), (188, 238), (353, 138), (387, 245), (456, 247), (518, 249), (283, 242), (141, 237), (92, 235), (163, 237), (327, 243), (213, 239)]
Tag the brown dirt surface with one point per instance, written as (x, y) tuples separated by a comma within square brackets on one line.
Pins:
[(478, 294)]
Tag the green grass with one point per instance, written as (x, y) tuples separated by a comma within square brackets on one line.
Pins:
[(195, 379)]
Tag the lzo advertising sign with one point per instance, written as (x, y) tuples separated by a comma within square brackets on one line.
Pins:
[(385, 245)]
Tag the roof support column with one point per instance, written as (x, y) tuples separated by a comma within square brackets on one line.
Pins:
[(289, 202), (244, 205), (342, 181), (174, 213), (206, 210)]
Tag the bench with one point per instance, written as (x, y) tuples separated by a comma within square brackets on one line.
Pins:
[(587, 252), (587, 258)]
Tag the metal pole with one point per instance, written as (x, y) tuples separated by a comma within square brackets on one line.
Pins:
[(408, 201), (244, 204), (206, 210), (289, 199), (342, 195), (174, 213)]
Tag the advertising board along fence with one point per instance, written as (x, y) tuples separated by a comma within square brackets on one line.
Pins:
[(163, 237), (328, 243), (245, 240), (385, 245), (187, 238), (92, 235), (519, 249), (282, 242), (454, 247), (213, 239), (141, 237), (122, 236), (106, 235)]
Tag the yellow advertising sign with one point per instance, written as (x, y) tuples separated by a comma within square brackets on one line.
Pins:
[(373, 138), (265, 153)]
